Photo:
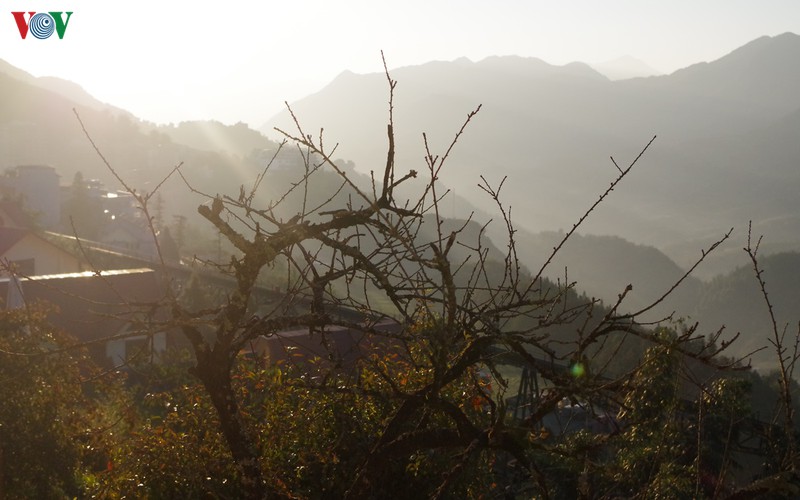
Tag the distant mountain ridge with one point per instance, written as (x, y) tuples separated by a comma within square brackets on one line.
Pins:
[(39, 126), (762, 71), (625, 67), (552, 128), (210, 135), (64, 88)]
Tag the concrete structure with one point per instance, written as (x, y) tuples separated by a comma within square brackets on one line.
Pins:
[(111, 312), (31, 254)]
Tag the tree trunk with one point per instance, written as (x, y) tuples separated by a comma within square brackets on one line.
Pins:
[(214, 371)]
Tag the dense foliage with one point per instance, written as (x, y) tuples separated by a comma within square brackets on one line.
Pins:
[(66, 434), (50, 435)]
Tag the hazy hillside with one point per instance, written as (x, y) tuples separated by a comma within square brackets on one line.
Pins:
[(64, 88), (237, 140), (551, 129), (603, 266), (39, 126), (625, 67), (735, 301), (762, 73)]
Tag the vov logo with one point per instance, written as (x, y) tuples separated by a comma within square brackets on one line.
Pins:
[(41, 25)]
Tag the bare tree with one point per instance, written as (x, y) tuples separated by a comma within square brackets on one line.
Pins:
[(784, 480), (367, 257)]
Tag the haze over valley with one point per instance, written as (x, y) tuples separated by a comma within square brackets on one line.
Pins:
[(726, 153)]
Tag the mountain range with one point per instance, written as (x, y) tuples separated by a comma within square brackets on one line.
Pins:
[(727, 152), (625, 67)]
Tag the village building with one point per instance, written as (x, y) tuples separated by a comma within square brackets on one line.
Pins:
[(115, 315)]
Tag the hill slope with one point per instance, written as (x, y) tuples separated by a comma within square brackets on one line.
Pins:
[(735, 301), (551, 130)]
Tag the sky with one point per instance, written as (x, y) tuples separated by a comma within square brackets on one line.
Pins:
[(173, 60)]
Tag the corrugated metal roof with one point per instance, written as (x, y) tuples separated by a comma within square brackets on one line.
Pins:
[(86, 274)]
